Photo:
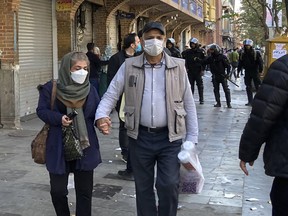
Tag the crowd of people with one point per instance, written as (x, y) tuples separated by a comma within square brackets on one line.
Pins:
[(148, 78)]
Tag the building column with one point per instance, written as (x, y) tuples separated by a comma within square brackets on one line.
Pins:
[(64, 33), (9, 65)]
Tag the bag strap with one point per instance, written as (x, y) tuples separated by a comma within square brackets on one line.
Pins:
[(53, 93)]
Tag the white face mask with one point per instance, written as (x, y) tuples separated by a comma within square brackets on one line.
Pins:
[(153, 47), (79, 76)]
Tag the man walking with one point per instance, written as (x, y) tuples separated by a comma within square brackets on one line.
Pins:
[(159, 114), (131, 44), (234, 58), (268, 124)]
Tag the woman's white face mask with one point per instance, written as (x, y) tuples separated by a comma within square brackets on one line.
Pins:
[(79, 76), (153, 47)]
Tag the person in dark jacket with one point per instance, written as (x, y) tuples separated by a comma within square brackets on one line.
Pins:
[(193, 58), (170, 45), (268, 124), (95, 66), (74, 92), (130, 47), (220, 69), (251, 60)]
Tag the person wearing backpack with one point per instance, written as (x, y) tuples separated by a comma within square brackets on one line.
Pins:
[(251, 60)]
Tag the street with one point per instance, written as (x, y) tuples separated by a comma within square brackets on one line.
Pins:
[(24, 185)]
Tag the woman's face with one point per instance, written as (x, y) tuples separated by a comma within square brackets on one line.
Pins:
[(79, 65)]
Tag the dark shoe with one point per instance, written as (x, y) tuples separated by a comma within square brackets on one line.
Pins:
[(201, 102), (124, 158), (229, 106), (217, 105), (248, 104), (125, 175)]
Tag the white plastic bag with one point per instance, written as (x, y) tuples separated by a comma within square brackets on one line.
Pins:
[(191, 177)]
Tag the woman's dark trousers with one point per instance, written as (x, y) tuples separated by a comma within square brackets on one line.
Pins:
[(83, 187)]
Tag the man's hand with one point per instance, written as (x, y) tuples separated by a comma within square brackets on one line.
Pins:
[(104, 125), (243, 166)]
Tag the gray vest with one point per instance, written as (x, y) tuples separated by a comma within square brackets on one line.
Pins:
[(175, 85)]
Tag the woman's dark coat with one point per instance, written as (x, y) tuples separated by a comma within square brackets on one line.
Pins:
[(55, 161)]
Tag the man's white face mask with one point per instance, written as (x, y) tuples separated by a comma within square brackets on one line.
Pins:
[(153, 47), (79, 76)]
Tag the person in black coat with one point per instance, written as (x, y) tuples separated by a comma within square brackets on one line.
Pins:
[(170, 45), (251, 60), (130, 47), (74, 92), (268, 123), (195, 69), (95, 66), (220, 69)]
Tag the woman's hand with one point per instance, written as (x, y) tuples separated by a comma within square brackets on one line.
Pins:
[(65, 121)]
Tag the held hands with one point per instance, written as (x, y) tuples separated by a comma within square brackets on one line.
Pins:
[(66, 121), (104, 125), (243, 166)]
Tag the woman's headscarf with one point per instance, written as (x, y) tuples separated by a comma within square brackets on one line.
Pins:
[(72, 94)]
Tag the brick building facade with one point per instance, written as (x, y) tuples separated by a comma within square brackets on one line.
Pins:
[(108, 21)]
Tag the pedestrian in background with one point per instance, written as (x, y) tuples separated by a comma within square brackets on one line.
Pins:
[(251, 60), (171, 46), (130, 47), (159, 114), (233, 57), (95, 66), (220, 69), (268, 124), (74, 92)]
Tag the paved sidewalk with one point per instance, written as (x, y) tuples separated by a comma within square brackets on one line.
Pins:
[(24, 186)]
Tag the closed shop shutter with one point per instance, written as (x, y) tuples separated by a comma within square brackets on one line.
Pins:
[(35, 51)]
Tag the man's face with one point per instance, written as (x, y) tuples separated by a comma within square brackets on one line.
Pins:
[(137, 41), (247, 47), (193, 45), (152, 34), (169, 45)]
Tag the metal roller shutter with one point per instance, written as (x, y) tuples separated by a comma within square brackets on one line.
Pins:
[(35, 51)]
